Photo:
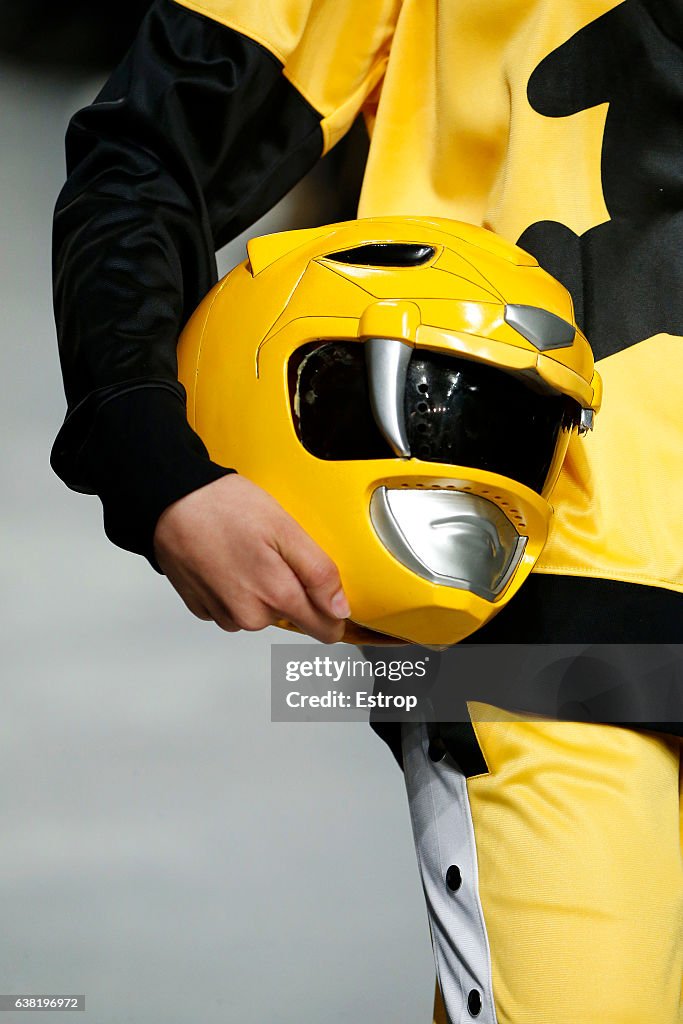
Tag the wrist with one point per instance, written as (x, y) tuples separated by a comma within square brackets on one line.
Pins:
[(143, 458)]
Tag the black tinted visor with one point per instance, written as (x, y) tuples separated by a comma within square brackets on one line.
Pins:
[(457, 411)]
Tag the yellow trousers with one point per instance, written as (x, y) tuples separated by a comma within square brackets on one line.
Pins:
[(554, 881)]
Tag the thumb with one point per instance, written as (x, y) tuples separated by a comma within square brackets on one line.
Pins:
[(315, 570)]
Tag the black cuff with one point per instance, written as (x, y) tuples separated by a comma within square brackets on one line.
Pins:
[(142, 456)]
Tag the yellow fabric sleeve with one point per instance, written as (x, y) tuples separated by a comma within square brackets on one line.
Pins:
[(334, 52)]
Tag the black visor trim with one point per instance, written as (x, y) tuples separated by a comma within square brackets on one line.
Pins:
[(457, 411), (467, 413), (330, 401)]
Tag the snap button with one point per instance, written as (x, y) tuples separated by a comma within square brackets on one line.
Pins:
[(453, 878), (474, 1003)]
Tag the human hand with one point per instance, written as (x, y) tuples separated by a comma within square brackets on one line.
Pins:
[(238, 558)]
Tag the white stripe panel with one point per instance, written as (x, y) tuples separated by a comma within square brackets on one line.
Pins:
[(444, 836)]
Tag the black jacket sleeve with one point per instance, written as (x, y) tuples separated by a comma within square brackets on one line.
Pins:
[(195, 135)]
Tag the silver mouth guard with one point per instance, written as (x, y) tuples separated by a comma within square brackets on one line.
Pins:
[(452, 538)]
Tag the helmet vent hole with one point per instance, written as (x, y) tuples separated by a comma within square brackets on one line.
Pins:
[(422, 388), (385, 254), (422, 407), (422, 428)]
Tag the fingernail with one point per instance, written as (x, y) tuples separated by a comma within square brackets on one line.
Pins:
[(340, 606)]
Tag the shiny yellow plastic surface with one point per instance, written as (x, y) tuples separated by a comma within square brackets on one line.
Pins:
[(233, 359)]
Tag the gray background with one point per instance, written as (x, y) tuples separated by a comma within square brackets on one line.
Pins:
[(165, 849)]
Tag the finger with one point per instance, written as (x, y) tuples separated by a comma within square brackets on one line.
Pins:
[(252, 615), (197, 608), (315, 570), (288, 599), (226, 624), (221, 616), (190, 598)]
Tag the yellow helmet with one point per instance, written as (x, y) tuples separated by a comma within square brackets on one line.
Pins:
[(406, 388)]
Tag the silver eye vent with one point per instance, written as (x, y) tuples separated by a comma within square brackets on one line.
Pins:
[(541, 328)]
